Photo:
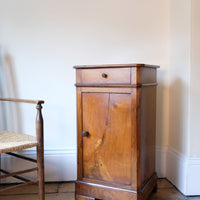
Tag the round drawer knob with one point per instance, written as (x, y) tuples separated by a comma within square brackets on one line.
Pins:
[(104, 75), (85, 133)]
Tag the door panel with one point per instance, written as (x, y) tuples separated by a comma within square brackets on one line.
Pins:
[(106, 151), (95, 118)]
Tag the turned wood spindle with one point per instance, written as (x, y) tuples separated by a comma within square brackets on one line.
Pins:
[(40, 150)]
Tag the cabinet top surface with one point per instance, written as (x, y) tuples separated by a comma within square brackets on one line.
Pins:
[(115, 66)]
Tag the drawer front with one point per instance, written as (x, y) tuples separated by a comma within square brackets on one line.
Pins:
[(104, 76)]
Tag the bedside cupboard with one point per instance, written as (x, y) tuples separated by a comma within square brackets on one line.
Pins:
[(116, 118)]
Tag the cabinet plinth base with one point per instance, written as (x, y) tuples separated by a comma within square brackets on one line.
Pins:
[(102, 192)]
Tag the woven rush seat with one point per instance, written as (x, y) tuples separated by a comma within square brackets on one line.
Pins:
[(12, 141)]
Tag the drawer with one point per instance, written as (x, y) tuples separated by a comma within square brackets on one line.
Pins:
[(104, 76)]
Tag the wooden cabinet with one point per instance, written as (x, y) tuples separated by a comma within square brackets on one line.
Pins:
[(116, 113)]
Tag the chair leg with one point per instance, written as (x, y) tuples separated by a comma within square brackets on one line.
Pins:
[(40, 151), (40, 161)]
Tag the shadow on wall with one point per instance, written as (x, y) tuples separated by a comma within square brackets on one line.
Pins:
[(10, 115), (162, 103), (161, 121), (178, 133), (178, 115)]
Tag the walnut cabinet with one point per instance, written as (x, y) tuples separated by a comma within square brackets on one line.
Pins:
[(116, 117)]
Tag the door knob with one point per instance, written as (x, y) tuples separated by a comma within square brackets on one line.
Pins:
[(85, 133), (104, 75)]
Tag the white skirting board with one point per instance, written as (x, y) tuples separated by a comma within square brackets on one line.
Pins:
[(60, 165), (181, 170)]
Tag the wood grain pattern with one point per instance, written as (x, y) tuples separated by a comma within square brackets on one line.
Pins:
[(104, 75), (95, 111), (108, 85), (148, 129), (80, 197), (116, 158), (104, 193), (136, 65), (40, 151), (112, 193), (40, 154), (107, 142), (79, 135), (22, 100), (105, 90)]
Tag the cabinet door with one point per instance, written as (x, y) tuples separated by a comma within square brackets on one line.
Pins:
[(107, 149)]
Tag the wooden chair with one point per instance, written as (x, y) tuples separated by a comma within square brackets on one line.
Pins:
[(12, 141)]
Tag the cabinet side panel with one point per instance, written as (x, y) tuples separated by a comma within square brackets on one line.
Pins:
[(148, 132), (148, 75)]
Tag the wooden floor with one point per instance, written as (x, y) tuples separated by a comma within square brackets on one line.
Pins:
[(65, 191)]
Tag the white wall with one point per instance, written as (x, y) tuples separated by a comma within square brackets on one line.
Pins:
[(42, 39), (195, 80), (183, 157), (179, 73), (179, 83), (193, 176)]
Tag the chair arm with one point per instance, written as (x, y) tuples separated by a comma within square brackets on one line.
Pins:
[(22, 100)]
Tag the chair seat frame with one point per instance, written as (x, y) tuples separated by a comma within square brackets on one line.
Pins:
[(40, 153)]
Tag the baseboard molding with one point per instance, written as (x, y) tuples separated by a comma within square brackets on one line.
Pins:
[(177, 169), (183, 172), (193, 176), (60, 164)]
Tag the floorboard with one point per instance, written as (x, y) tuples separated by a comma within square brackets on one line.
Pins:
[(65, 191)]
